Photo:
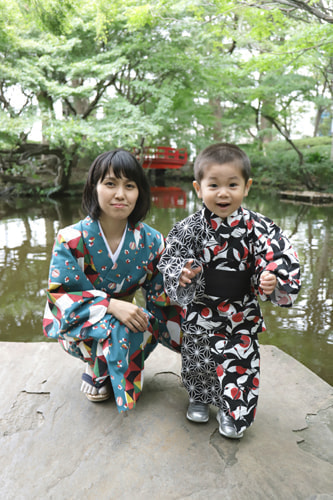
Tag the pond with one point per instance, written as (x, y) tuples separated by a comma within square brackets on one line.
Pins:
[(28, 229)]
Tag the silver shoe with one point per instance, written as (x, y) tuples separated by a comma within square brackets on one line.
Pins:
[(227, 426), (198, 412)]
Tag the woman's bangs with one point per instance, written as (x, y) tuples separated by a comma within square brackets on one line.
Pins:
[(128, 169)]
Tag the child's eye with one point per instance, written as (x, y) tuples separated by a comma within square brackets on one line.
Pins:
[(233, 184), (130, 186)]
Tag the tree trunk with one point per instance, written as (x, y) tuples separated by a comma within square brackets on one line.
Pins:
[(264, 125), (45, 104), (306, 177), (39, 167), (218, 114), (317, 121), (331, 156)]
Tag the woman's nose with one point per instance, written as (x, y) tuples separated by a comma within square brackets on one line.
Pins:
[(120, 192)]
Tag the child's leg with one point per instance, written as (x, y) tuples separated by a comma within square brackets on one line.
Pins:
[(238, 373), (199, 377)]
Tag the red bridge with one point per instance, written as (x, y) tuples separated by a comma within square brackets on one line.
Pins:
[(162, 157)]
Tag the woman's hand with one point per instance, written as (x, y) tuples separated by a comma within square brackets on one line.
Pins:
[(268, 282), (131, 315), (188, 273)]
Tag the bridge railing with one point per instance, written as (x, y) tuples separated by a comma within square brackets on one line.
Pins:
[(164, 157)]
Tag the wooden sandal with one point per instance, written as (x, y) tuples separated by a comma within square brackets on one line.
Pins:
[(97, 398)]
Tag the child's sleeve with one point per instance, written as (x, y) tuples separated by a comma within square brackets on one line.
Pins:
[(274, 253), (180, 247)]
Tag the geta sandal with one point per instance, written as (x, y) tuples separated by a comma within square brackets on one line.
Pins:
[(97, 398)]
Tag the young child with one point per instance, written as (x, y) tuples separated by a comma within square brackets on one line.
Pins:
[(216, 264)]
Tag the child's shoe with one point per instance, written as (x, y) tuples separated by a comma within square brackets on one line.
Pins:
[(198, 412), (227, 426)]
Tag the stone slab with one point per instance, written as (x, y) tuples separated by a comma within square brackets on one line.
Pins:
[(55, 444)]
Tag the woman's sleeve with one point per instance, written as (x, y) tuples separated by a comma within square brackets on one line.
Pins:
[(179, 250), (274, 253), (74, 307)]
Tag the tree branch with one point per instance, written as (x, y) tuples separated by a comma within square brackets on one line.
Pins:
[(290, 7)]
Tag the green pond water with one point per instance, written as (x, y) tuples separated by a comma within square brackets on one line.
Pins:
[(28, 229)]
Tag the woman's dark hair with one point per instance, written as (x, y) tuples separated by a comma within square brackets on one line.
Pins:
[(123, 164), (219, 154)]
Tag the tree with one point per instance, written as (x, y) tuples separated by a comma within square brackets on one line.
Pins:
[(306, 12), (99, 74), (114, 82), (301, 10)]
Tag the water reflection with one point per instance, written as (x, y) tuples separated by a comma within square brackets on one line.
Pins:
[(28, 229), (168, 197)]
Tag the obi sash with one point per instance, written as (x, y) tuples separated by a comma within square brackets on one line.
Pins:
[(128, 298), (227, 285)]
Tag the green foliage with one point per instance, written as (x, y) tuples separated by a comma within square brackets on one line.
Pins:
[(50, 15), (278, 164), (101, 73)]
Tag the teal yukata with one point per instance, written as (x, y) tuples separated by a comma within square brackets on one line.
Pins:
[(83, 278)]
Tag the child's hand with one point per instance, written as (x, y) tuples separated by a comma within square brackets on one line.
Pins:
[(188, 273), (268, 282)]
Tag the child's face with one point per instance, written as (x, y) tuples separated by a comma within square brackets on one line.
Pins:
[(222, 188)]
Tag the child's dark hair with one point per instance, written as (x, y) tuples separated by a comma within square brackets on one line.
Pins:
[(221, 153), (123, 164)]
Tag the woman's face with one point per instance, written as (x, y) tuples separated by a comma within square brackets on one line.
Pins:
[(117, 197)]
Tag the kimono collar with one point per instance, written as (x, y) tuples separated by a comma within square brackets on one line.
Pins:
[(216, 222)]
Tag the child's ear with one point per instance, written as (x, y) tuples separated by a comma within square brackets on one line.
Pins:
[(196, 186), (247, 187)]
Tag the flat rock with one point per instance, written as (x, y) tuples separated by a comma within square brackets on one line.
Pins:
[(55, 444)]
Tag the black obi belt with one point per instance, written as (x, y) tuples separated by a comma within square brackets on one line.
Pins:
[(228, 285)]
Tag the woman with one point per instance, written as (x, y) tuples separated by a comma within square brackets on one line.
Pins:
[(97, 266)]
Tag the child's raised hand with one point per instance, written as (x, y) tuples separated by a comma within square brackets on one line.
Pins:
[(268, 282), (188, 273)]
